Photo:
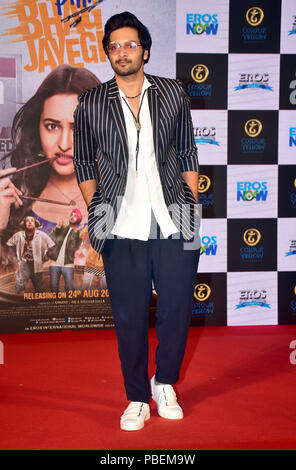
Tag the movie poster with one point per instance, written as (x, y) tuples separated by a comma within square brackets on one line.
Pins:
[(50, 53)]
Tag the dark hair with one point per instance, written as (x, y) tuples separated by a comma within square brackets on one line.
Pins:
[(26, 137), (127, 20), (23, 222)]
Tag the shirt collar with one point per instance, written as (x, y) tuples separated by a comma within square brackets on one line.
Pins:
[(146, 84)]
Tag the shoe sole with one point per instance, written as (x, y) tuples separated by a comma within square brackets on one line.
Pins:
[(172, 419)]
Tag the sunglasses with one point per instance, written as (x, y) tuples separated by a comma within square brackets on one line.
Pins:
[(129, 46)]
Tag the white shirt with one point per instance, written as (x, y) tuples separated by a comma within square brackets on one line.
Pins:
[(143, 192)]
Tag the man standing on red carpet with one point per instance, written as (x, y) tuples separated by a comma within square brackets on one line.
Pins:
[(136, 130)]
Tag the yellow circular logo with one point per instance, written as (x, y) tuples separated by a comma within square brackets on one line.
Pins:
[(204, 183), (202, 292), (199, 73), (254, 16), (252, 236), (253, 127)]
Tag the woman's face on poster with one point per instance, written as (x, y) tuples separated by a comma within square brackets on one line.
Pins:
[(56, 131)]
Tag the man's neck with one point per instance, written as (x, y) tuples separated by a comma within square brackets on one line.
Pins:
[(74, 226), (130, 85)]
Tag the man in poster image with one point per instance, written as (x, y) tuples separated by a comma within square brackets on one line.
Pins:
[(138, 127), (67, 240), (31, 246)]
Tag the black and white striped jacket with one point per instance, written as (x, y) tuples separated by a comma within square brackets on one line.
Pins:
[(101, 152)]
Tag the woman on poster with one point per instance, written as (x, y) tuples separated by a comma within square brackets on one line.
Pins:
[(42, 132)]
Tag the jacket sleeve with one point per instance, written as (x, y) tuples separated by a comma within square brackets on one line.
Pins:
[(85, 147), (78, 240), (184, 142), (11, 241), (55, 232)]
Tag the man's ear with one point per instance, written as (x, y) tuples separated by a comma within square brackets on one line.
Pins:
[(146, 54)]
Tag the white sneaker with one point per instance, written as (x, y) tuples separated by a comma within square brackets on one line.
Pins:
[(134, 416), (166, 400)]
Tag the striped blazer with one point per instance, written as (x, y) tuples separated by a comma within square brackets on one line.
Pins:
[(101, 152)]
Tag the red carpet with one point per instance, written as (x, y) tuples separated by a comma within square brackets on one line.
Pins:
[(64, 391)]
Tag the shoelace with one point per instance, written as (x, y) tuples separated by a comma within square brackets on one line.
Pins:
[(168, 395), (132, 409), (141, 408)]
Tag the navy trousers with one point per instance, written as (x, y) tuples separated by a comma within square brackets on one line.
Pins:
[(130, 267)]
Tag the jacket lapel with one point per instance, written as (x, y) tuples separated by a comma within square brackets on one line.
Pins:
[(153, 101), (118, 118)]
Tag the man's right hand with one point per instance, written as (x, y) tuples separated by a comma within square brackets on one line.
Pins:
[(88, 189)]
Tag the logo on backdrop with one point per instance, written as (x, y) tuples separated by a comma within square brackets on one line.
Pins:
[(212, 194), (253, 80), (197, 24), (252, 237), (252, 245), (293, 30), (209, 299), (252, 298), (292, 137), (252, 137), (250, 144), (293, 196), (255, 28), (253, 127), (205, 79), (200, 73), (251, 32), (292, 97), (202, 293), (205, 135), (204, 183), (209, 245), (291, 193), (292, 250), (254, 16), (251, 191)]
